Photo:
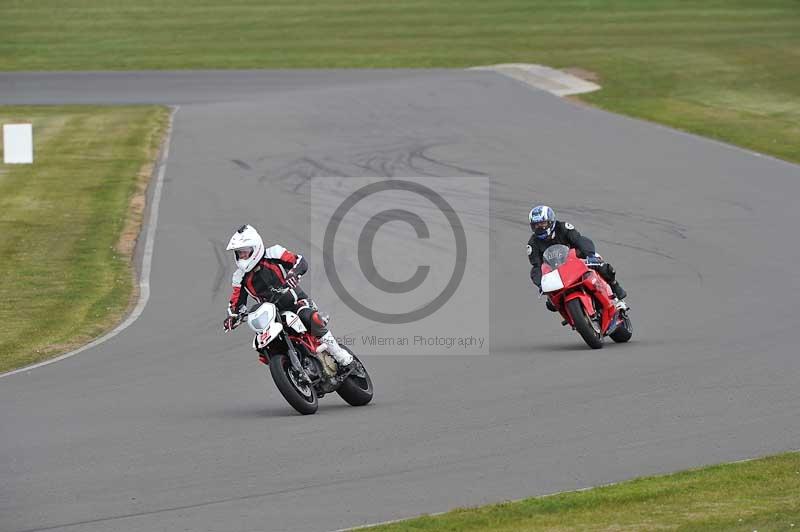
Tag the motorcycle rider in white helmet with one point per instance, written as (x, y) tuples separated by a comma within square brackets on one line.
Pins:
[(260, 270), (548, 231)]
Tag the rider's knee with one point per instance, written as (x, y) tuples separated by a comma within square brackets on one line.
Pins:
[(608, 272), (313, 321)]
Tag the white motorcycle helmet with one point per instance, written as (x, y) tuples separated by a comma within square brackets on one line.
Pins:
[(247, 247)]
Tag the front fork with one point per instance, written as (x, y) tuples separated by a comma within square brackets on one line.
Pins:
[(293, 359)]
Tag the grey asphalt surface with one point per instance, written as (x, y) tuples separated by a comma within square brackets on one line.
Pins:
[(174, 426)]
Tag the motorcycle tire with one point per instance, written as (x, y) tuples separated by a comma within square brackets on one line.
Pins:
[(302, 398), (356, 390), (624, 331), (583, 324)]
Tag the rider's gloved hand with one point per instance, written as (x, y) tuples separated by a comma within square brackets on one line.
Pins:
[(594, 260), (292, 279), (231, 321)]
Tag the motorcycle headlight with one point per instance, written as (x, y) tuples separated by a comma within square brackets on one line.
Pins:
[(261, 318)]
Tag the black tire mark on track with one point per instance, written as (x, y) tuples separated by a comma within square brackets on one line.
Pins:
[(241, 164), (217, 247)]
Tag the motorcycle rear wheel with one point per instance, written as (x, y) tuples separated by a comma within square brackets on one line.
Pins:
[(583, 324), (624, 331), (303, 398), (357, 388)]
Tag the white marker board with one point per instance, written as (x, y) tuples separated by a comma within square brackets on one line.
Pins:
[(18, 144)]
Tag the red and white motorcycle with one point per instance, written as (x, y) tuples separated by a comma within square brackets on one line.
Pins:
[(583, 298), (300, 364)]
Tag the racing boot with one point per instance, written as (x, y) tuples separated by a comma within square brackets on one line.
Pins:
[(620, 294), (343, 359), (618, 290)]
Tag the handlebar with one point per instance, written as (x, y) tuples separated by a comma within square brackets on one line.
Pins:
[(276, 293), (241, 316)]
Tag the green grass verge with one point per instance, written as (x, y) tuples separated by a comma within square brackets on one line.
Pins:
[(67, 225), (758, 495), (728, 69)]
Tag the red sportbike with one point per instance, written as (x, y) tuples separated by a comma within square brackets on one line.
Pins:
[(583, 298)]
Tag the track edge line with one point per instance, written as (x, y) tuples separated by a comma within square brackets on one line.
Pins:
[(553, 494), (147, 259)]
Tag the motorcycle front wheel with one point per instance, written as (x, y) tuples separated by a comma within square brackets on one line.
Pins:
[(357, 388), (584, 324), (301, 396)]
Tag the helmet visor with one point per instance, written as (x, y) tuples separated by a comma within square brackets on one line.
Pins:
[(542, 227), (243, 253)]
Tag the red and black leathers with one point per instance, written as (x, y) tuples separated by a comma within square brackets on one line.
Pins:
[(270, 273), (566, 234)]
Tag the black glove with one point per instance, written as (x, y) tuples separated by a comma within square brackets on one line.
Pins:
[(292, 279), (594, 261), (230, 323)]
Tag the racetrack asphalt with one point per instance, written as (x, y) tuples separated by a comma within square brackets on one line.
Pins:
[(172, 425)]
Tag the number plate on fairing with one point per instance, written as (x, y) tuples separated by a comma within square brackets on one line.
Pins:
[(265, 337), (551, 282)]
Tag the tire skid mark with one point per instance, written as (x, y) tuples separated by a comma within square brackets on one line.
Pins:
[(217, 246), (410, 159), (604, 217), (242, 164)]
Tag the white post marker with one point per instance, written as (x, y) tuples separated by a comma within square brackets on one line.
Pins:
[(18, 144)]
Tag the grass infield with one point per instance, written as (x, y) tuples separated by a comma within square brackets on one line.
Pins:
[(728, 69), (68, 223), (761, 495)]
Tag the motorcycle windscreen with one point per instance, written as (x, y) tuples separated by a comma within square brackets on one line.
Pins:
[(555, 255), (551, 282)]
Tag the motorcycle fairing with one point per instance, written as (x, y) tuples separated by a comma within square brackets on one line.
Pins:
[(263, 321), (572, 271), (262, 317), (603, 294), (293, 321), (584, 284), (593, 288)]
